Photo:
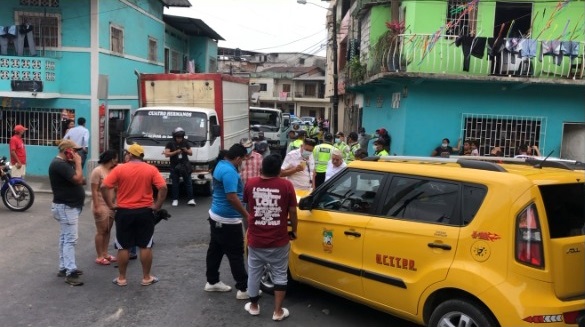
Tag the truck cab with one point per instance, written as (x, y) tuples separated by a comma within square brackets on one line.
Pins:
[(273, 123)]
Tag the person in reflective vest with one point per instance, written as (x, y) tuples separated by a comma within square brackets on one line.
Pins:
[(296, 140), (380, 148), (322, 155), (353, 145), (341, 145)]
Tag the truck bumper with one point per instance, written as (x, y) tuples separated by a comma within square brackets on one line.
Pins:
[(197, 177)]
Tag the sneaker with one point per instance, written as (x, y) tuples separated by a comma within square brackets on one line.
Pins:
[(175, 203), (217, 287), (63, 272), (73, 279), (192, 202), (243, 295), (285, 314)]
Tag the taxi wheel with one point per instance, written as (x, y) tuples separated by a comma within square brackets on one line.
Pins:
[(266, 284), (461, 312)]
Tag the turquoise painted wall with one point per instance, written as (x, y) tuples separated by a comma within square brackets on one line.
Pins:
[(433, 110), (75, 22)]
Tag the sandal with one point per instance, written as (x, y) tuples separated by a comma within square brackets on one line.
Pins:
[(111, 258), (253, 312), (119, 283), (102, 261)]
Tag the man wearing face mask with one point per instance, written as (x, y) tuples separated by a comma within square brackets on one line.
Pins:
[(225, 223), (445, 150), (252, 164), (341, 145), (379, 148), (299, 166)]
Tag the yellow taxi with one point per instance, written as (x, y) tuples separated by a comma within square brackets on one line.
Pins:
[(449, 241)]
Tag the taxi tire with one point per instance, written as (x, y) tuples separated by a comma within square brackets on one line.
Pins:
[(454, 310), (266, 284)]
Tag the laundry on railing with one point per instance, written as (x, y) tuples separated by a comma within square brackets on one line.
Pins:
[(17, 34)]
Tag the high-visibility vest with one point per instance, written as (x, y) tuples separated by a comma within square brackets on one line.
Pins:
[(382, 152), (296, 144), (313, 131), (352, 149), (344, 148), (322, 155)]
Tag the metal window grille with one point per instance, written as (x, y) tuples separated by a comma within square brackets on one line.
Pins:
[(40, 3), (46, 127), (506, 132), (175, 61), (46, 27), (463, 24), (152, 49), (117, 39)]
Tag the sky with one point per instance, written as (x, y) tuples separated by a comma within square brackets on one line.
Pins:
[(263, 25)]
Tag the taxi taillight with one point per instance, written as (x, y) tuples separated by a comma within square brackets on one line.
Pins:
[(529, 249)]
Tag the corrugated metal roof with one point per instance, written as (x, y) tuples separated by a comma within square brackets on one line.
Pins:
[(191, 26), (176, 3)]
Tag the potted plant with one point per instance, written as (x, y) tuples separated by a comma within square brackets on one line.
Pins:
[(393, 56)]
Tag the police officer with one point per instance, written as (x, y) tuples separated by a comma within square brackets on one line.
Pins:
[(341, 145), (322, 155), (297, 140), (380, 147), (353, 144)]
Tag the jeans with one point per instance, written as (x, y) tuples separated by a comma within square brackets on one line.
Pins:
[(68, 219), (186, 181), (20, 38), (226, 239)]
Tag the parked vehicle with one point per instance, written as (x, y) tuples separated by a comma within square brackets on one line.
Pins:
[(475, 241), (16, 194), (211, 108), (273, 123)]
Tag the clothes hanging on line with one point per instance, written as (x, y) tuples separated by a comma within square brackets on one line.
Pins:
[(471, 46)]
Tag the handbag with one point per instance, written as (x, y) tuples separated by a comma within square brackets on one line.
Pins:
[(183, 168)]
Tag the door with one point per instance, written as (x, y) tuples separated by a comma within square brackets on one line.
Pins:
[(573, 143), (328, 251), (411, 245)]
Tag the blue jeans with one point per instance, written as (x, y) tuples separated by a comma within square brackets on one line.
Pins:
[(186, 181), (68, 219)]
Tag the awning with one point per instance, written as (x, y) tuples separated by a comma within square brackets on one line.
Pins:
[(191, 26)]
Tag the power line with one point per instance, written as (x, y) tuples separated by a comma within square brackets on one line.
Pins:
[(277, 46)]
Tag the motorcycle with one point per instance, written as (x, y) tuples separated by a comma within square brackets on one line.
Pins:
[(16, 194)]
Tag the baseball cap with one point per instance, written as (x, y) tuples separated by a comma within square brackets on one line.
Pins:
[(68, 144), (246, 142), (19, 128), (136, 150)]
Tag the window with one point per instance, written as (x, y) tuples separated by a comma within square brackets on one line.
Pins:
[(310, 90), (462, 19), (286, 88), (116, 40), (472, 199), (422, 200), (263, 87), (46, 27), (301, 61), (175, 62), (352, 191), (564, 209), (45, 126), (152, 49)]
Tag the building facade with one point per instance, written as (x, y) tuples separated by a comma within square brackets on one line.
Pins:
[(78, 58), (502, 73)]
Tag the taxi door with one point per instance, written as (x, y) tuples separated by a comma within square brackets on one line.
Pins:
[(329, 248), (412, 242)]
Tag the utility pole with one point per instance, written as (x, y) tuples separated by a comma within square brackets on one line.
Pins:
[(335, 98)]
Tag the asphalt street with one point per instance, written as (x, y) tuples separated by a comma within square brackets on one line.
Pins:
[(32, 294)]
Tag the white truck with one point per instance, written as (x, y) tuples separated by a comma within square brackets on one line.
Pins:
[(273, 123), (213, 109)]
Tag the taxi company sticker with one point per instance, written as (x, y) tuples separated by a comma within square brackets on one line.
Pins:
[(481, 251), (328, 240), (488, 236), (544, 319)]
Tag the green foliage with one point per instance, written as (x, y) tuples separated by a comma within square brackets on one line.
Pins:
[(357, 70)]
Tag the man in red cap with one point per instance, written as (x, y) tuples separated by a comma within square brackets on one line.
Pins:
[(18, 152)]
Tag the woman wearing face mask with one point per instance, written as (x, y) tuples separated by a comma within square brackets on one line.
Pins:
[(299, 166), (445, 150)]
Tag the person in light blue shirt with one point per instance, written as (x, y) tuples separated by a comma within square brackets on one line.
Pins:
[(80, 135), (225, 223)]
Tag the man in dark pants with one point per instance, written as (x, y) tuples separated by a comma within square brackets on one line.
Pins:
[(225, 223)]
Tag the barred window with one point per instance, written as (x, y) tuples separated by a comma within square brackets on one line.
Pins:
[(46, 127), (46, 27), (40, 3), (152, 49), (506, 132), (175, 61), (117, 39), (463, 21)]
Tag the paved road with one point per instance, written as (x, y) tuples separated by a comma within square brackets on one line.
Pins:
[(32, 295)]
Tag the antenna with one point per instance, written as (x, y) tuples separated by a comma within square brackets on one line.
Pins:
[(539, 165)]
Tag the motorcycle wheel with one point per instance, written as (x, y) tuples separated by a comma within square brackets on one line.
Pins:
[(24, 199)]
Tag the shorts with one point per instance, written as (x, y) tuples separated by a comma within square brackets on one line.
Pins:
[(134, 227)]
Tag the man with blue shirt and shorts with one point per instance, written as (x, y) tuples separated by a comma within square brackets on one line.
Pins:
[(225, 223)]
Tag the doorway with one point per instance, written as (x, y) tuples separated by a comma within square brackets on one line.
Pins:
[(573, 142), (508, 12)]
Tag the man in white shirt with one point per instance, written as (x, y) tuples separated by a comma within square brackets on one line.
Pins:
[(80, 135), (299, 166), (335, 165)]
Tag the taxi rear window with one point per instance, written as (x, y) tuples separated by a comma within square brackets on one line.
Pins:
[(565, 209)]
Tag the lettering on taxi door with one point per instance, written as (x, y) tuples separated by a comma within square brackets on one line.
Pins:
[(395, 262)]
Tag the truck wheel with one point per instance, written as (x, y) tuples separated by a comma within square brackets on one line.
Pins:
[(461, 312)]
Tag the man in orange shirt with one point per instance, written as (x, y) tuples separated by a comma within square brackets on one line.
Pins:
[(135, 208), (18, 152)]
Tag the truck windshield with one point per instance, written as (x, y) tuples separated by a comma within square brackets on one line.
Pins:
[(152, 127), (264, 120)]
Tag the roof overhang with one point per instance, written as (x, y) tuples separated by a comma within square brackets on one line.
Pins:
[(191, 26), (176, 3)]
